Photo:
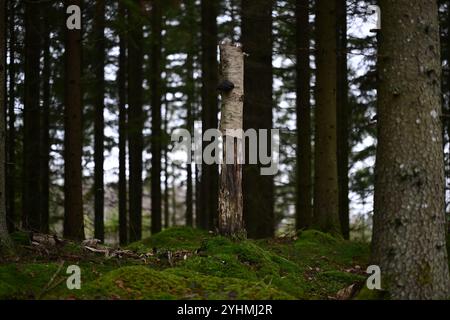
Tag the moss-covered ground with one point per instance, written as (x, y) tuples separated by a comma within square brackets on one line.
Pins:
[(184, 263)]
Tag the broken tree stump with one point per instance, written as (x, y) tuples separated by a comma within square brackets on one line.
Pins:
[(231, 123)]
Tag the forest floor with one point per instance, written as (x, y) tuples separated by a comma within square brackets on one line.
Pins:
[(184, 263)]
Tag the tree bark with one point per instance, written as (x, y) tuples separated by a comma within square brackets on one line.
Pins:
[(45, 125), (189, 188), (135, 118), (31, 118), (174, 203), (230, 189), (304, 153), (342, 119), (326, 199), (166, 170), (257, 43), (409, 221), (73, 197), (11, 137), (4, 236), (156, 139), (122, 88), (190, 95), (446, 127), (99, 122), (207, 218)]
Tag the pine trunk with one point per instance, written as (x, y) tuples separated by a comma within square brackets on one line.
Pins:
[(326, 198), (45, 125), (342, 118), (99, 122), (4, 237), (207, 218), (257, 43), (409, 241), (190, 125), (156, 138), (304, 153), (166, 169), (190, 95), (11, 138), (73, 137), (31, 118), (174, 203), (135, 118), (122, 87)]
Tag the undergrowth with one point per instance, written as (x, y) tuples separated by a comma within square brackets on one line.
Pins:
[(185, 263)]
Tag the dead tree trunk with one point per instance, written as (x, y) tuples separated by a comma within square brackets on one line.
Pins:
[(232, 91)]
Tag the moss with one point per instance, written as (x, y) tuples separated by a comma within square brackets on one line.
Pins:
[(20, 238), (28, 280), (313, 266), (424, 277), (25, 281), (339, 251), (314, 236), (283, 266), (178, 238), (366, 294), (143, 283), (323, 261)]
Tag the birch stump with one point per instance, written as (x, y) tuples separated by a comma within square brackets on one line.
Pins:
[(231, 124)]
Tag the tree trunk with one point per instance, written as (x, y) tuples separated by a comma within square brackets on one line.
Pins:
[(209, 176), (122, 88), (230, 189), (156, 138), (304, 154), (99, 122), (326, 199), (174, 203), (257, 42), (31, 118), (73, 197), (190, 95), (446, 127), (4, 237), (45, 125), (135, 118), (11, 138), (409, 221), (342, 118), (166, 172)]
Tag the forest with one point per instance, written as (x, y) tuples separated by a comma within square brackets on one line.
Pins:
[(224, 150)]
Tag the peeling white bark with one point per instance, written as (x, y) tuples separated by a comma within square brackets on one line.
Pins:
[(230, 190), (232, 69)]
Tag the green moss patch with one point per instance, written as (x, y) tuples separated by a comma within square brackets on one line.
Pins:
[(141, 282), (178, 238), (184, 263)]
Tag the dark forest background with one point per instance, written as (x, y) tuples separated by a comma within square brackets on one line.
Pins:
[(149, 67)]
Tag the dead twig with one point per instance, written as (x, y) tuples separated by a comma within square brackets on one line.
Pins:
[(52, 279)]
